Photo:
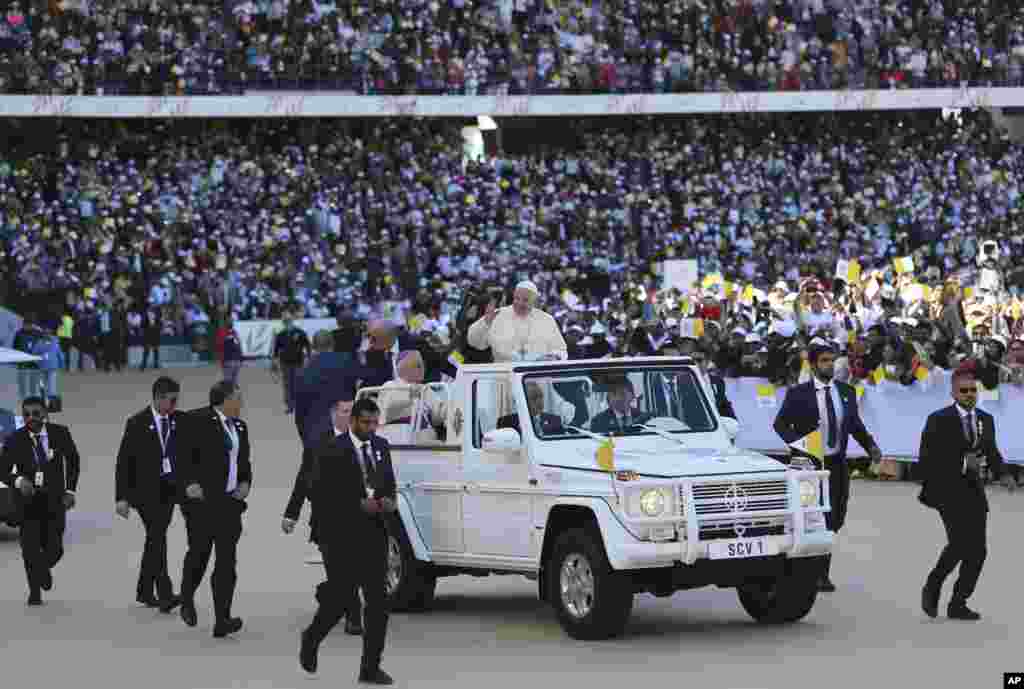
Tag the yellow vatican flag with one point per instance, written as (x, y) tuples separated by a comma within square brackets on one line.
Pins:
[(692, 327), (747, 296), (606, 455), (878, 375), (921, 373), (711, 280), (904, 265), (811, 444)]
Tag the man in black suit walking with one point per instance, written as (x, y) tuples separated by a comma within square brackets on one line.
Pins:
[(353, 494), (337, 415), (546, 424), (826, 404), (144, 478), (46, 464), (214, 468), (954, 442)]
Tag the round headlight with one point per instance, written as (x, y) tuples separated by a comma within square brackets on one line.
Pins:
[(652, 502), (808, 493)]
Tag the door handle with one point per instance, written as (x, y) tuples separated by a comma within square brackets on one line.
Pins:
[(471, 488), (533, 482)]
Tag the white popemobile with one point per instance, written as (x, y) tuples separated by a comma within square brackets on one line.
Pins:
[(481, 493)]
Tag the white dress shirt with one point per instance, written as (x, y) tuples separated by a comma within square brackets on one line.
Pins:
[(229, 428), (358, 444), (837, 404), (160, 421), (965, 418)]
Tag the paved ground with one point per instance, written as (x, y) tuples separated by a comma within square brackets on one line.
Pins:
[(483, 631)]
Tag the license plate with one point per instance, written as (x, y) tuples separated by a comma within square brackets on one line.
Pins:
[(742, 547)]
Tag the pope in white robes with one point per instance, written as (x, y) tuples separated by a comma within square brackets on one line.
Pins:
[(519, 332)]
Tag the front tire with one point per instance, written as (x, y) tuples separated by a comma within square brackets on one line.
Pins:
[(591, 600), (784, 600), (409, 584)]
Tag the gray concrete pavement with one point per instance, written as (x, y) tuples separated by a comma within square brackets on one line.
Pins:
[(483, 632)]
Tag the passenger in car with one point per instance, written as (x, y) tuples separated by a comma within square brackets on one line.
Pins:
[(543, 423), (400, 404)]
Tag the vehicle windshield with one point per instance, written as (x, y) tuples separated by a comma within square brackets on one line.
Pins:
[(617, 402)]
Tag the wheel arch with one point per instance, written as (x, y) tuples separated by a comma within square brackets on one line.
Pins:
[(564, 515)]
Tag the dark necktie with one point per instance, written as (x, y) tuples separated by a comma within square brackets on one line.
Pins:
[(165, 432), (37, 442), (831, 411), (227, 437), (972, 437), (371, 470)]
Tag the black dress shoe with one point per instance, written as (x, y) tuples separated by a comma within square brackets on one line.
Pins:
[(826, 586), (168, 604), (46, 582), (148, 601), (34, 598), (225, 627), (353, 628), (308, 653), (930, 601), (377, 676), (962, 612), (188, 613)]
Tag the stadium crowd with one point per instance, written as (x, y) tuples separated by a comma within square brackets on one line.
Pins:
[(145, 232), (156, 47)]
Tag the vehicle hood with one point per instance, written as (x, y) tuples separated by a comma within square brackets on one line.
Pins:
[(669, 460)]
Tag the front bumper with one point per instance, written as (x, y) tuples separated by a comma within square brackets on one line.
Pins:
[(645, 555)]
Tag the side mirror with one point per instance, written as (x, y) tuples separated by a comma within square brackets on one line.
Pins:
[(731, 427), (502, 441)]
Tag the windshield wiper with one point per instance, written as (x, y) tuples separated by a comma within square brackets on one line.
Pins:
[(664, 434)]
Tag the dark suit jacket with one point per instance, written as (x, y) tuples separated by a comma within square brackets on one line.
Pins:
[(140, 458), (323, 377), (60, 473), (799, 416), (608, 422), (203, 455), (337, 491), (943, 445), (549, 423)]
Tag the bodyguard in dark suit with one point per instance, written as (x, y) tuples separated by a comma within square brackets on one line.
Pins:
[(953, 444), (353, 492), (215, 469), (144, 479), (46, 464), (689, 347), (831, 406), (336, 416)]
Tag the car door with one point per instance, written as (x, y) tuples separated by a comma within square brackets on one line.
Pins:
[(497, 500)]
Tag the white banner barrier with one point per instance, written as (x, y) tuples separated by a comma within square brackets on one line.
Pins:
[(257, 337), (326, 104), (895, 415)]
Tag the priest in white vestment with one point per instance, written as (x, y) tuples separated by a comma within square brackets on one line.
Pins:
[(398, 404), (519, 332)]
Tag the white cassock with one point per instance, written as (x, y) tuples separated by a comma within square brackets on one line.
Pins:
[(514, 338)]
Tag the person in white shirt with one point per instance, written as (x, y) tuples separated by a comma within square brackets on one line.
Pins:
[(519, 332), (399, 405)]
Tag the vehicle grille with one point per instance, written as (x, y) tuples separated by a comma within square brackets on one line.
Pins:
[(714, 498)]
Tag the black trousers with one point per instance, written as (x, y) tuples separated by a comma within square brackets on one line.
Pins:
[(354, 607), (838, 491), (212, 524), (156, 519), (41, 538), (965, 531), (367, 571)]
